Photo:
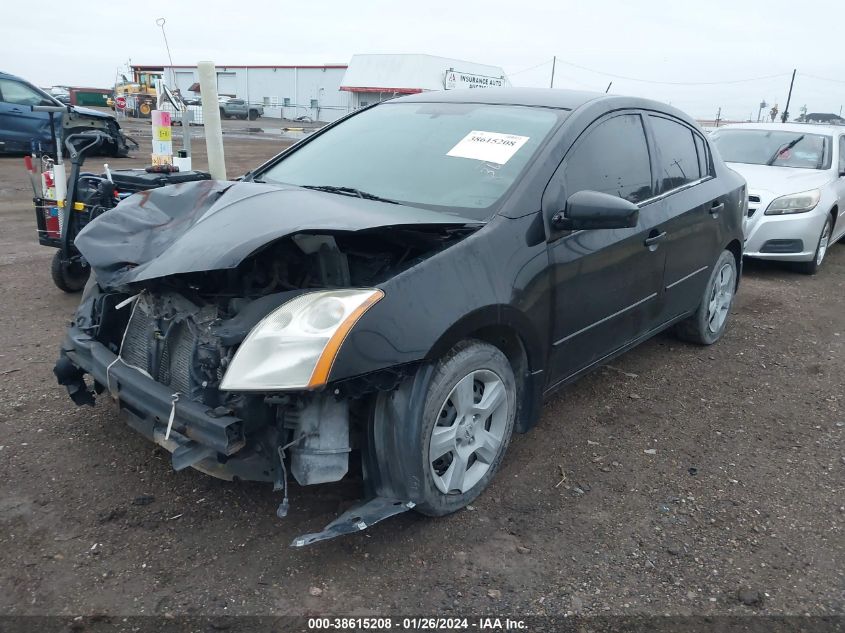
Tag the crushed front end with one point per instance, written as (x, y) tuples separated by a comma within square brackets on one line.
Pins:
[(228, 367)]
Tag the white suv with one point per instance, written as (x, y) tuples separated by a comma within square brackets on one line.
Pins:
[(796, 187)]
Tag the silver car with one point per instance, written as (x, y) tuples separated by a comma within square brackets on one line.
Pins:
[(796, 188)]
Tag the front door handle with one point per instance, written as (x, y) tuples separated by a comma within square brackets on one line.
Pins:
[(716, 208), (654, 239)]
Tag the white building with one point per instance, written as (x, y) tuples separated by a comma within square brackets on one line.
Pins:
[(372, 78), (284, 91), (327, 92)]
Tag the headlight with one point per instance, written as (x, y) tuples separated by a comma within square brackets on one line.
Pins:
[(794, 203), (294, 346)]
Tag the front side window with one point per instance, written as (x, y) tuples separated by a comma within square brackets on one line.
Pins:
[(458, 157), (779, 148), (21, 94), (678, 161), (612, 158)]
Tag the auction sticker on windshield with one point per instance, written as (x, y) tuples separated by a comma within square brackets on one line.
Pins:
[(490, 147)]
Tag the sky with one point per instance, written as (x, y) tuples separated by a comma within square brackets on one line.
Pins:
[(698, 56)]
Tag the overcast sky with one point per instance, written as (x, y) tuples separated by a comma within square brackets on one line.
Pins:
[(84, 42)]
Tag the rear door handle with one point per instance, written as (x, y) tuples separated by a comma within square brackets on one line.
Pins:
[(653, 240), (716, 208)]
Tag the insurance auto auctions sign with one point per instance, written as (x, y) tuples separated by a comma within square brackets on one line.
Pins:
[(456, 79)]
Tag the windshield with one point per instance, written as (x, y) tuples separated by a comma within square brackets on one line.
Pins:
[(457, 157), (773, 147)]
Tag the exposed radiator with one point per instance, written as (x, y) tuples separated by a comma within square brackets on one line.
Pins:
[(176, 350)]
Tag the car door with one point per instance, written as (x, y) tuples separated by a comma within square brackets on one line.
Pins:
[(607, 282), (691, 200), (19, 125), (839, 185)]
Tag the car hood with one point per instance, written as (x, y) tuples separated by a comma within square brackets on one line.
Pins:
[(213, 225), (92, 113), (780, 181)]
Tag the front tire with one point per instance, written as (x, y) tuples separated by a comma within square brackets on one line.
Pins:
[(812, 267), (707, 324), (466, 426)]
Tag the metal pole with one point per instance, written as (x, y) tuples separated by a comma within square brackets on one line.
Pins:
[(718, 117), (789, 96), (552, 82), (608, 87)]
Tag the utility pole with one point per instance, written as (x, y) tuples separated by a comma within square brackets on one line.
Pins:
[(718, 117), (788, 97), (608, 87), (552, 82)]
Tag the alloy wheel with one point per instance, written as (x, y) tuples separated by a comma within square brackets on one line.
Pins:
[(824, 241), (469, 433), (721, 297)]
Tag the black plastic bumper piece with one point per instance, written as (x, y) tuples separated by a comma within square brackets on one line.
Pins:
[(70, 376), (357, 518), (143, 397), (783, 246)]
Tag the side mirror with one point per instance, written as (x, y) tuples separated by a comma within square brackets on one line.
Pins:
[(595, 210)]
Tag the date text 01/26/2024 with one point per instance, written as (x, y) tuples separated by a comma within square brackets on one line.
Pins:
[(416, 624)]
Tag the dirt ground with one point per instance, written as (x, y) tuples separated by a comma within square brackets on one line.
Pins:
[(681, 480)]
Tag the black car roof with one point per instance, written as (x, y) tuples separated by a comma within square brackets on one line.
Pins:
[(543, 97)]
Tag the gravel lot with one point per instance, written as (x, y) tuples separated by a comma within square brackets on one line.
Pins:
[(681, 480)]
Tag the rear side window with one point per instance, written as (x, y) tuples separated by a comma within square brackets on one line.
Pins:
[(703, 157), (678, 161), (612, 158)]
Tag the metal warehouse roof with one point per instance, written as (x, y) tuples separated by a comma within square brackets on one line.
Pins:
[(250, 66), (407, 73)]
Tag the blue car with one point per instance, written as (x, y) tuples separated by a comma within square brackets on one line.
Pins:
[(19, 125)]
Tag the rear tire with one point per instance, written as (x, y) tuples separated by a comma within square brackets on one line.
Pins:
[(468, 418), (707, 324), (253, 115), (68, 277), (812, 267)]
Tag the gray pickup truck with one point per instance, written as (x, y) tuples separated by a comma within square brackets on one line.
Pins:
[(240, 109)]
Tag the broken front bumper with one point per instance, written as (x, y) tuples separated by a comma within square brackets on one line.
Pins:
[(199, 437), (211, 443)]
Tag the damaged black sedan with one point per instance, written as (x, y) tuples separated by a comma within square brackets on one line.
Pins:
[(397, 293)]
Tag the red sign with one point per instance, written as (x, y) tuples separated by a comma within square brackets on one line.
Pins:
[(120, 103)]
